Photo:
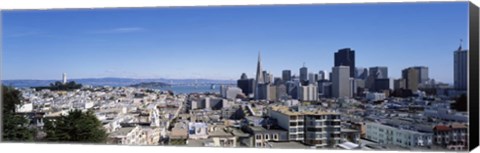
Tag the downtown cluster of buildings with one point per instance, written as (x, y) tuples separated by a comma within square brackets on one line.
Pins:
[(352, 108), (347, 81)]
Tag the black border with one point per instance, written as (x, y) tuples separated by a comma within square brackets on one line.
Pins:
[(473, 80)]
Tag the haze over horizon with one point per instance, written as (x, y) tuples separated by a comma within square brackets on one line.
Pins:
[(221, 43)]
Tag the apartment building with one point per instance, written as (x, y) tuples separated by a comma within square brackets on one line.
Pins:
[(404, 137), (128, 135), (313, 127), (453, 136)]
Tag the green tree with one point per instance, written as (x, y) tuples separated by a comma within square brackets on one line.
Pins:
[(15, 127), (77, 126)]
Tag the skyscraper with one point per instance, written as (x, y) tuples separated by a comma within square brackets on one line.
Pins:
[(303, 74), (361, 73), (244, 76), (64, 78), (341, 86), (259, 77), (321, 75), (377, 72), (422, 74), (286, 75), (311, 78), (346, 57), (411, 78), (308, 93), (247, 85), (460, 60)]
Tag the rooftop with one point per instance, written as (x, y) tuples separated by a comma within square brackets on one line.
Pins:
[(122, 132), (288, 111)]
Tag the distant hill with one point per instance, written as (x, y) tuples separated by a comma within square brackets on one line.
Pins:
[(115, 82), (150, 85)]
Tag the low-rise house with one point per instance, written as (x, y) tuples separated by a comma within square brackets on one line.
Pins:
[(128, 135), (197, 130), (261, 136), (453, 136), (179, 134), (222, 136)]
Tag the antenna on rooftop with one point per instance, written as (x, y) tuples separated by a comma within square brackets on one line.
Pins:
[(460, 46)]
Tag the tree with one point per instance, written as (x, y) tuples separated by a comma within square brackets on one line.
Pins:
[(77, 126), (15, 127), (460, 103)]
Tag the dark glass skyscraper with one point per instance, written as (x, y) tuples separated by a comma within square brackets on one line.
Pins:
[(303, 74), (460, 69), (346, 57), (286, 75)]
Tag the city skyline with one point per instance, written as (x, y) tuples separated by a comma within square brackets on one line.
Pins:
[(178, 48)]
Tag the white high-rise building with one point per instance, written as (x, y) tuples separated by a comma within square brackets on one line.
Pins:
[(64, 78), (341, 86), (308, 92)]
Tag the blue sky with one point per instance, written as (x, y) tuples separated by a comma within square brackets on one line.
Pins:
[(223, 42)]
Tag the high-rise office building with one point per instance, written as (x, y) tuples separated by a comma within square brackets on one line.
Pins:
[(286, 75), (422, 74), (64, 78), (247, 85), (383, 84), (321, 75), (272, 92), (292, 88), (361, 73), (303, 74), (377, 72), (400, 84), (311, 78), (346, 57), (259, 77), (244, 76), (277, 80), (263, 91), (411, 78), (281, 91), (267, 77), (325, 88), (308, 92), (341, 86), (460, 60)]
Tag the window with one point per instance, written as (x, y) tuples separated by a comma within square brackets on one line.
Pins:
[(267, 137), (293, 136), (258, 136), (293, 130), (275, 137)]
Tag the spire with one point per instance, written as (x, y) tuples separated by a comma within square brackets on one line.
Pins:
[(460, 46), (303, 64), (259, 59), (259, 76)]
